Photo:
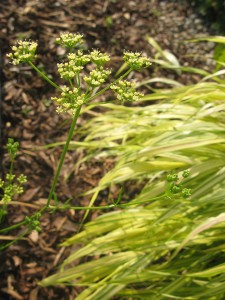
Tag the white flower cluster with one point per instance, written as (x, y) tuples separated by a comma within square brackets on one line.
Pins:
[(136, 61), (97, 77), (69, 40), (23, 52), (125, 91), (99, 58), (69, 101)]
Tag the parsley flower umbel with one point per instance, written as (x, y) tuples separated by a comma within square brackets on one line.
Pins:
[(80, 59), (10, 188), (69, 40), (12, 148), (69, 101), (125, 91), (97, 77), (22, 179), (135, 61), (23, 52), (68, 70), (99, 58)]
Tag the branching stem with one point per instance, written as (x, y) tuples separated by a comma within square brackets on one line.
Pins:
[(69, 137), (44, 76)]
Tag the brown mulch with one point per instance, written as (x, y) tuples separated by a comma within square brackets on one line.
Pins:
[(28, 115)]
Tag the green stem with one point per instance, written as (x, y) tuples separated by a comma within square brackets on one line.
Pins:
[(15, 240), (125, 205), (11, 168), (12, 227), (71, 84), (78, 80), (4, 208), (69, 137), (44, 76)]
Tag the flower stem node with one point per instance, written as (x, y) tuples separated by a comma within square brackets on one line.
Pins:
[(125, 91), (69, 40), (135, 61), (69, 101), (24, 51)]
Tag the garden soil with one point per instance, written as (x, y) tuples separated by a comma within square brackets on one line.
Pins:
[(28, 115)]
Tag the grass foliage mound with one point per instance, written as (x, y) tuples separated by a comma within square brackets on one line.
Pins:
[(162, 246)]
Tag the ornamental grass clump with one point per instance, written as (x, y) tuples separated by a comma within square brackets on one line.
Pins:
[(170, 248), (80, 88), (169, 242)]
